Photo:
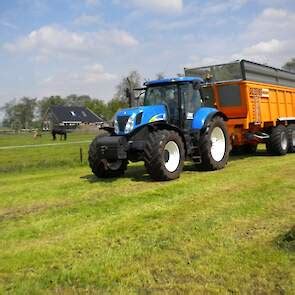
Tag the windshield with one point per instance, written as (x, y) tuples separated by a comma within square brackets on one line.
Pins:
[(160, 95)]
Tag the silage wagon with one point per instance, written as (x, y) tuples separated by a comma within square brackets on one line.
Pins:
[(201, 117)]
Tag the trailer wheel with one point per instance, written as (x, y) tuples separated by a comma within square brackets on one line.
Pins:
[(291, 138), (164, 155), (278, 142), (104, 168), (214, 145)]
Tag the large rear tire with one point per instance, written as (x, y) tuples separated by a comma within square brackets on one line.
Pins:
[(104, 168), (214, 145), (291, 138), (164, 155), (278, 142)]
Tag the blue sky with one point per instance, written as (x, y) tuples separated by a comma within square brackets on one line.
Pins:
[(50, 47)]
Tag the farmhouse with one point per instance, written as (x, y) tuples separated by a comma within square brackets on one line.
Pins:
[(69, 117)]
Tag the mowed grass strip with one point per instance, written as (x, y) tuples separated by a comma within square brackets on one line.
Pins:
[(64, 231)]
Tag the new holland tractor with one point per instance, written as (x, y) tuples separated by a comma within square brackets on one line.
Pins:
[(174, 124)]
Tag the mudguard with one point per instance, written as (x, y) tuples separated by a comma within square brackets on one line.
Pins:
[(201, 116)]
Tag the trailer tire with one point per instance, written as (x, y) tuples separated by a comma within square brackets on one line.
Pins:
[(214, 145), (278, 142), (164, 155), (291, 137), (104, 168)]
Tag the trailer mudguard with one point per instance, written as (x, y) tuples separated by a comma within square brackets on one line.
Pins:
[(201, 116)]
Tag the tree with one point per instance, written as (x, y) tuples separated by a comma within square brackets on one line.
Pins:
[(113, 106), (45, 103), (133, 80), (290, 65), (20, 115), (78, 101), (98, 106)]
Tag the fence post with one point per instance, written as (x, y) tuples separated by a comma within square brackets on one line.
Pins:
[(81, 155)]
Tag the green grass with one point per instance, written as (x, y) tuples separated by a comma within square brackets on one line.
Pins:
[(62, 154), (64, 231)]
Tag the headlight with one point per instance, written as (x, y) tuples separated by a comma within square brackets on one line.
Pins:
[(116, 126), (130, 124)]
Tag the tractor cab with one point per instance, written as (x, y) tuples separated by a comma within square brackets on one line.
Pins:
[(180, 96)]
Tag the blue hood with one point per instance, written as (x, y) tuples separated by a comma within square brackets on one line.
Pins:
[(142, 115)]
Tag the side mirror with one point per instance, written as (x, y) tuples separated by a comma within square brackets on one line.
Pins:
[(196, 85)]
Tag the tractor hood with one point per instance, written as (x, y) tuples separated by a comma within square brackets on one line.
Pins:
[(127, 120)]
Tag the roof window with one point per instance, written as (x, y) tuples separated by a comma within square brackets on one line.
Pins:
[(73, 113)]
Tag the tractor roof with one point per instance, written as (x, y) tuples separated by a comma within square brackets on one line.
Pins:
[(173, 80)]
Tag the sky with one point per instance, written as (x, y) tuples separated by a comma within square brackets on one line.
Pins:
[(63, 47)]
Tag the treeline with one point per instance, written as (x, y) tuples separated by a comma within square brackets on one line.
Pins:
[(27, 112)]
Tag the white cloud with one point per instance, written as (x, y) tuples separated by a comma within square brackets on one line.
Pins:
[(270, 37), (86, 20), (95, 73), (272, 46), (272, 23), (87, 79), (55, 40), (267, 39), (162, 6)]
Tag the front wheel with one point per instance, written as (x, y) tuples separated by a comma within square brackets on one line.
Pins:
[(104, 168), (164, 155), (214, 145)]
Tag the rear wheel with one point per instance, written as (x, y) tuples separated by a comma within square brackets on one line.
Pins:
[(164, 155), (278, 142), (214, 145), (104, 168), (291, 138)]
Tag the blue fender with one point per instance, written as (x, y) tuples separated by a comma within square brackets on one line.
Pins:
[(201, 115)]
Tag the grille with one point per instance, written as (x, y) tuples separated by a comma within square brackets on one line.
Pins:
[(122, 121)]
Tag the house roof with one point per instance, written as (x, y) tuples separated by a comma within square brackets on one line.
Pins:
[(74, 114)]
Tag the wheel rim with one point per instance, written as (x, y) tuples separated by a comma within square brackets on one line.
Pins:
[(284, 141), (114, 165), (171, 156), (218, 144)]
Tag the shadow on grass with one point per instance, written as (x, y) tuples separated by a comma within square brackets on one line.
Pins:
[(132, 173), (242, 156), (139, 173)]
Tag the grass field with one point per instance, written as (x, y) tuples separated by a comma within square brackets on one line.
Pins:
[(64, 231)]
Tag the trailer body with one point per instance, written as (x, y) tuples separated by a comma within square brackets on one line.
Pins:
[(253, 97)]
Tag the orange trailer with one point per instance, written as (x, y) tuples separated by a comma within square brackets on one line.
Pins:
[(258, 102)]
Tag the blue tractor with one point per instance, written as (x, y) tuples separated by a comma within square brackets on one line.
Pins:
[(174, 123)]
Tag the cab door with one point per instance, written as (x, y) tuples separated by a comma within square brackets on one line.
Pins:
[(190, 103)]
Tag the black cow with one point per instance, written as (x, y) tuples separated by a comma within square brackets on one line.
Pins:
[(61, 131)]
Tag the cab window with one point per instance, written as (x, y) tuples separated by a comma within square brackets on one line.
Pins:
[(191, 99)]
